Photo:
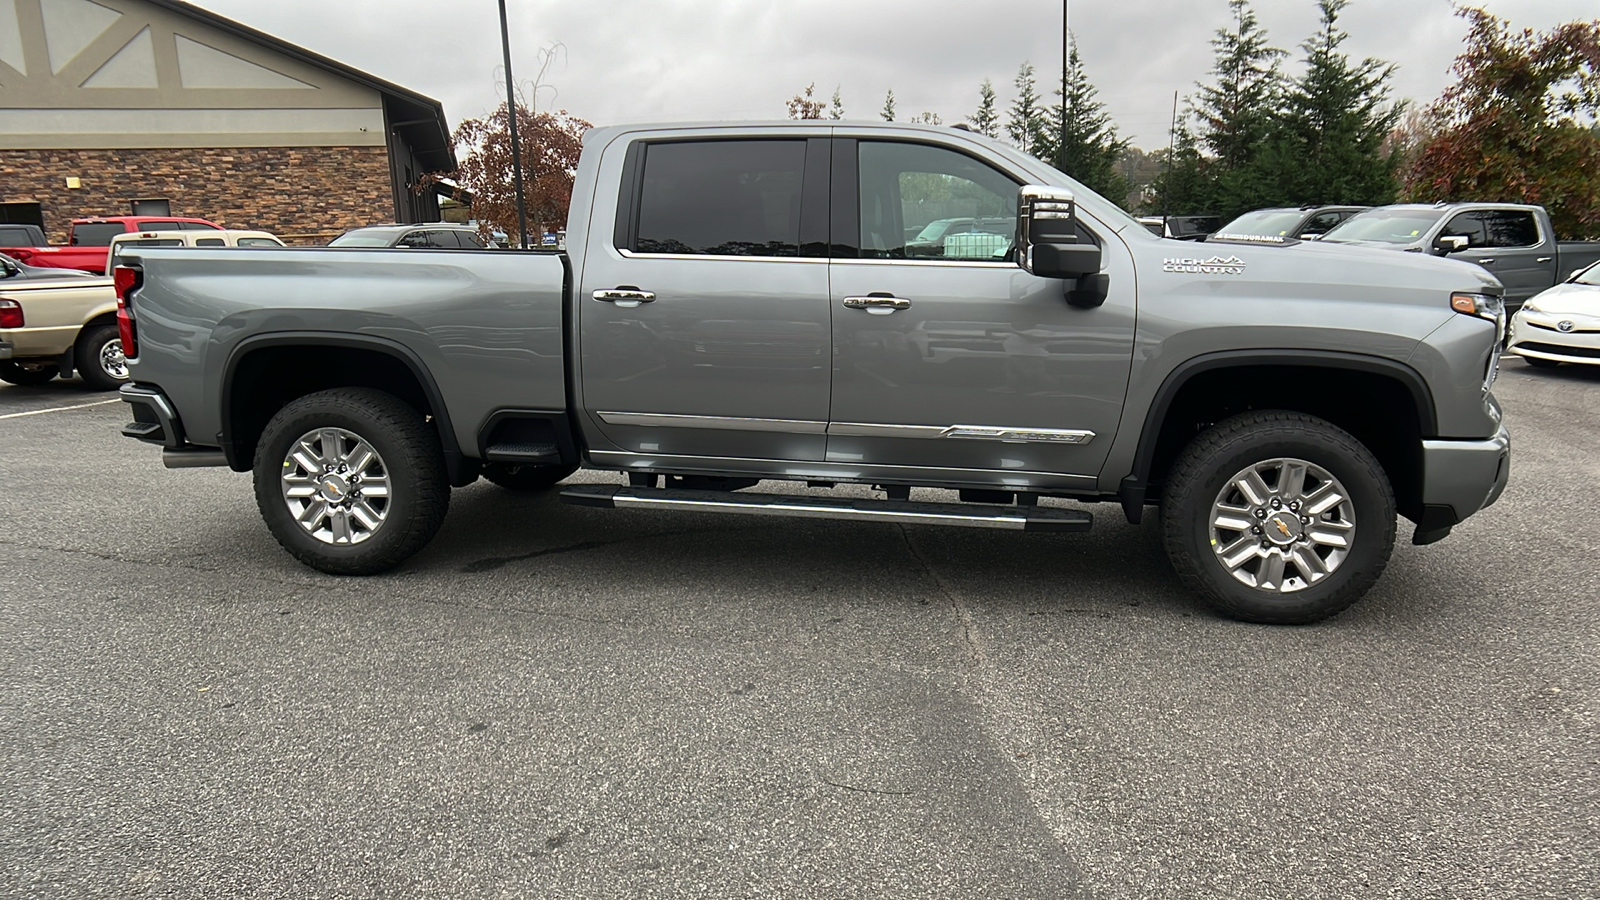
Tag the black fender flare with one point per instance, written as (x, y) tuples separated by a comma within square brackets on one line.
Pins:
[(456, 463), (1134, 487)]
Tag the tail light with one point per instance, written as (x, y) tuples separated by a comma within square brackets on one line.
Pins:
[(125, 280), (10, 314)]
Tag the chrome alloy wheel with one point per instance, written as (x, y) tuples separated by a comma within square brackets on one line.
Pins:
[(1282, 525), (112, 362), (336, 486)]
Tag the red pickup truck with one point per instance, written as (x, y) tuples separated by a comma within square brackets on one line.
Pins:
[(89, 240)]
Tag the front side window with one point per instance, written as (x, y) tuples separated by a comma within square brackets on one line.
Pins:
[(925, 202), (721, 198), (1320, 223)]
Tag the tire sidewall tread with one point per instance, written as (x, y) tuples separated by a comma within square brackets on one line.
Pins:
[(87, 357), (412, 456), (1214, 456)]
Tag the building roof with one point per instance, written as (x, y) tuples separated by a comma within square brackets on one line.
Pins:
[(417, 118)]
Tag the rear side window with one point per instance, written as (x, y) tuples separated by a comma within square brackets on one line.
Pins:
[(95, 234), (258, 242), (721, 198), (1511, 228), (210, 242)]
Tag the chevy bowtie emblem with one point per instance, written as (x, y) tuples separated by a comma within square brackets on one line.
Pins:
[(1564, 325), (1282, 528)]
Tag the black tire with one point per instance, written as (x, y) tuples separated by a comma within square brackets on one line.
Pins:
[(27, 374), (526, 478), (412, 461), (1538, 363), (1215, 457), (98, 356)]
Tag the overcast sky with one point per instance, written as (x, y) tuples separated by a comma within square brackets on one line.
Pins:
[(673, 60)]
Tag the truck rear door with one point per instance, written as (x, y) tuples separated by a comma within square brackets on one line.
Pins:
[(704, 321)]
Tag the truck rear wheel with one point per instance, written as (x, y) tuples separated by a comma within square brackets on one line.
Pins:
[(27, 374), (1278, 517), (99, 358), (351, 481), (526, 478)]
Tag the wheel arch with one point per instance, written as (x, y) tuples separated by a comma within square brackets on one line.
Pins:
[(249, 398), (1256, 379)]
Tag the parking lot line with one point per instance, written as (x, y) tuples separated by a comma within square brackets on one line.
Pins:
[(40, 412)]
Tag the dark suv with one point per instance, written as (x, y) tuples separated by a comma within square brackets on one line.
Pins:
[(421, 236)]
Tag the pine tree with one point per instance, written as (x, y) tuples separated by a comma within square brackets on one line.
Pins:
[(836, 110), (1329, 147), (1026, 125), (985, 121), (1235, 115), (888, 106), (1084, 142)]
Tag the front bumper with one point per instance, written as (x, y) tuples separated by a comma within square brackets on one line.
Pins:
[(1538, 335), (1458, 479)]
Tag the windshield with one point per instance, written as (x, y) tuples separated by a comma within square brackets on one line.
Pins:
[(353, 239), (1266, 223), (1590, 275), (1389, 226)]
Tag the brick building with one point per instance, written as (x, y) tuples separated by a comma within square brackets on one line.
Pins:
[(107, 102)]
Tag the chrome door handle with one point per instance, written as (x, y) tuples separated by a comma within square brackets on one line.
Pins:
[(1486, 261), (877, 304), (627, 296), (1544, 259)]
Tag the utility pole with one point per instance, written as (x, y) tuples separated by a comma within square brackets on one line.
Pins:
[(1066, 29), (511, 114)]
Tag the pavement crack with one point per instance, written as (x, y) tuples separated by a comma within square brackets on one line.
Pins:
[(962, 613), (862, 790)]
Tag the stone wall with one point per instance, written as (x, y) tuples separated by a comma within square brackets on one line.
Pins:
[(305, 195)]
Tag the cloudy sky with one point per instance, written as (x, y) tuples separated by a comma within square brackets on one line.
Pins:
[(673, 60)]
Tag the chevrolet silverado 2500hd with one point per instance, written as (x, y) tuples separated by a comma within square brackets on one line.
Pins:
[(737, 304)]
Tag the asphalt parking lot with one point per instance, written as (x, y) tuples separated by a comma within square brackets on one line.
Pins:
[(553, 701)]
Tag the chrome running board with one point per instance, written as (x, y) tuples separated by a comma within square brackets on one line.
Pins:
[(904, 512)]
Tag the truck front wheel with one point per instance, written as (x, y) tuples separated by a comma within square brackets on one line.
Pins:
[(351, 481), (1278, 517)]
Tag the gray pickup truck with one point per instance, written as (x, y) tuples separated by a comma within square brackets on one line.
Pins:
[(1513, 241), (737, 305)]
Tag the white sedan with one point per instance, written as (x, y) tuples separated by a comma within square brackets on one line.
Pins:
[(1561, 324)]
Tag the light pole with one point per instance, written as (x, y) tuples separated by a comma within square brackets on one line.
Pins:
[(511, 115)]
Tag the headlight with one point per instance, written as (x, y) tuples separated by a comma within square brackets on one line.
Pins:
[(1492, 308), (1531, 307)]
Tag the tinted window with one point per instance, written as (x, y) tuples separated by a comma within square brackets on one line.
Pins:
[(154, 242), (723, 198), (95, 234), (469, 240), (1510, 228), (16, 237), (362, 239), (210, 242), (1320, 223), (196, 226)]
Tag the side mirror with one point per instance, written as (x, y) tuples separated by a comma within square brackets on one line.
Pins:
[(1047, 235), (1308, 236), (1451, 243)]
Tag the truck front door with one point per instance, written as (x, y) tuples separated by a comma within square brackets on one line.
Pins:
[(949, 356), (704, 320)]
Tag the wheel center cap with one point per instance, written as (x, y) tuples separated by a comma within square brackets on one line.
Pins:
[(334, 488), (1282, 528)]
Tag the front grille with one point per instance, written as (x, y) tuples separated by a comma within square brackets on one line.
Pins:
[(1559, 331), (1556, 350)]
